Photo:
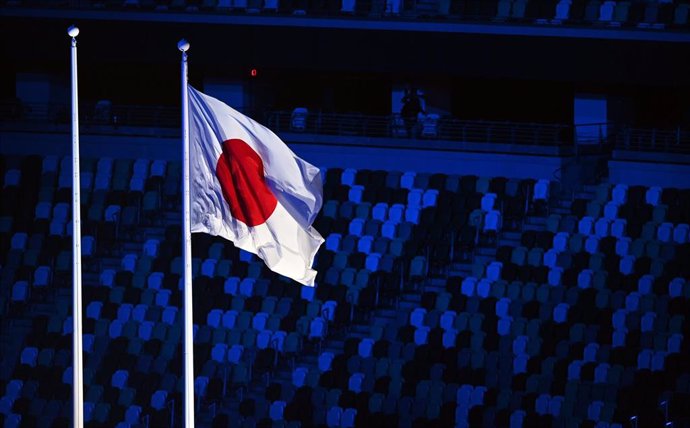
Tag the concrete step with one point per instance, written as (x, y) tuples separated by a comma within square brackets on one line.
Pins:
[(461, 266), (38, 309), (485, 251), (411, 297), (132, 247), (385, 314), (154, 233), (435, 288), (564, 203), (535, 220), (535, 227), (463, 274), (437, 282), (484, 259), (509, 242), (357, 335), (90, 278), (408, 306), (590, 188), (585, 195), (172, 218), (111, 263), (309, 359), (511, 235), (560, 210), (358, 328), (338, 345)]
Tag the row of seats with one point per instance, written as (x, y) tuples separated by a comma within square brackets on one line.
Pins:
[(648, 14), (589, 347), (514, 342), (134, 306)]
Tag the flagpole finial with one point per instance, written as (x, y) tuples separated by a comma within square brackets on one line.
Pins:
[(73, 31), (183, 45)]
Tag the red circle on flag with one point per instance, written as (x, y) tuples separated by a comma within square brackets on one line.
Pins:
[(240, 171)]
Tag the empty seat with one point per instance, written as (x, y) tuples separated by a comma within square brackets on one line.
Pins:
[(665, 232), (492, 221), (20, 291), (348, 176), (493, 271), (619, 194), (541, 190), (611, 210), (430, 197), (324, 361), (618, 227), (407, 180), (653, 196), (414, 197), (623, 246), (488, 201), (602, 227), (681, 234), (585, 226), (560, 241), (560, 313), (380, 211), (468, 286), (276, 410), (333, 417), (355, 193), (299, 376), (417, 317), (29, 356), (592, 244)]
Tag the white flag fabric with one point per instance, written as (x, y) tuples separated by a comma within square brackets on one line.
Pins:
[(248, 187)]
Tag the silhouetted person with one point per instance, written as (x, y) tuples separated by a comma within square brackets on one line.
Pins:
[(412, 106)]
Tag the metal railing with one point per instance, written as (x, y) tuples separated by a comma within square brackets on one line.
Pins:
[(653, 140), (92, 114), (102, 117), (443, 128)]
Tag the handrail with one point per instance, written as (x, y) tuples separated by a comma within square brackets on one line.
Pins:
[(445, 128), (653, 140), (349, 124), (104, 117)]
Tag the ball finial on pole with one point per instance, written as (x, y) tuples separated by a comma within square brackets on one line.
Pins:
[(73, 31), (183, 45)]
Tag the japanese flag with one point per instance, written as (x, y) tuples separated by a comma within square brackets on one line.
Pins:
[(248, 187)]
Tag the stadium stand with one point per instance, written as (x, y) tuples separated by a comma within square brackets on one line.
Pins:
[(441, 301), (624, 14)]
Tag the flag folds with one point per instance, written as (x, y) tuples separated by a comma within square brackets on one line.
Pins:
[(248, 187)]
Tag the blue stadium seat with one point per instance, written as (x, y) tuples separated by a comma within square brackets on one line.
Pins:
[(325, 360), (20, 291), (119, 379), (234, 354), (348, 176), (276, 411)]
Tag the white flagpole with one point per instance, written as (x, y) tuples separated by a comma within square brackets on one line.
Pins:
[(77, 356), (183, 46)]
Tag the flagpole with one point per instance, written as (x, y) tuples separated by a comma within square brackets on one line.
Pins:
[(77, 355), (183, 46)]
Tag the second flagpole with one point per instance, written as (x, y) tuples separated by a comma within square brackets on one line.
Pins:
[(188, 350), (77, 354)]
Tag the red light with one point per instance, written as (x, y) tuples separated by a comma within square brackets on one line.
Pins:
[(253, 72)]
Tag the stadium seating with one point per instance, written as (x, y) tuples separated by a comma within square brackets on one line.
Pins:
[(466, 301), (611, 13)]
